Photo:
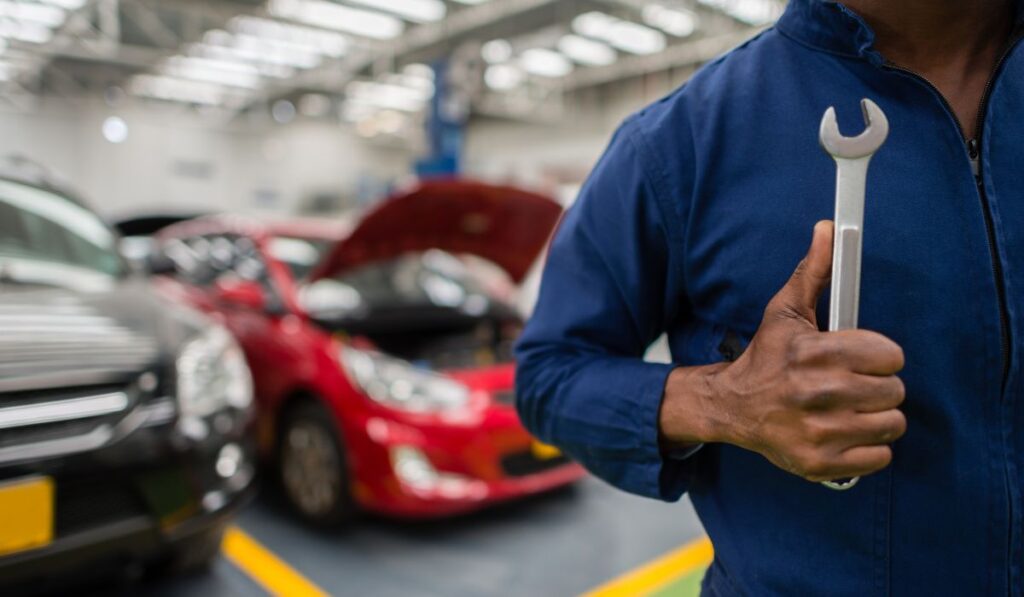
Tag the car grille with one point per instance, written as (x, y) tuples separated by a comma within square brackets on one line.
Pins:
[(44, 423), (82, 505), (521, 464), (506, 397)]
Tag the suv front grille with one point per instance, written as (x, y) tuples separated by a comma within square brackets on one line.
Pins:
[(50, 422)]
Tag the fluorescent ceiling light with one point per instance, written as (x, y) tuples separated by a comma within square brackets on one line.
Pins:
[(677, 22), (594, 24), (419, 11), (496, 51), (329, 43), (342, 18), (752, 12), (418, 70), (636, 38), (43, 14), (545, 63), (297, 60), (66, 4), (623, 35), (503, 77), (32, 33), (236, 74), (183, 90), (387, 95), (586, 51), (471, 2)]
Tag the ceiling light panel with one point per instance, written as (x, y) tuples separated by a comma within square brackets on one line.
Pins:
[(43, 14), (329, 43), (387, 95), (340, 18), (224, 72), (418, 11), (65, 4), (674, 21), (621, 34), (545, 63), (32, 33), (586, 51), (752, 12)]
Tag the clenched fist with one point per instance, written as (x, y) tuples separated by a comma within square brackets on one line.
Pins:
[(821, 405)]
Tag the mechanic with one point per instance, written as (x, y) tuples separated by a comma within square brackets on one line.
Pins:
[(696, 217)]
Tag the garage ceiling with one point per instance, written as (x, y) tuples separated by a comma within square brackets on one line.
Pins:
[(355, 57)]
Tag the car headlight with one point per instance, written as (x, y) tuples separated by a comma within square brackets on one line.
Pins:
[(212, 375), (399, 384)]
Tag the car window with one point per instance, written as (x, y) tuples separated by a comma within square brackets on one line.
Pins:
[(205, 259), (41, 225)]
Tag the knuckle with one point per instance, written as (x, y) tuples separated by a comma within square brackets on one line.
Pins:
[(805, 348), (815, 465), (816, 432)]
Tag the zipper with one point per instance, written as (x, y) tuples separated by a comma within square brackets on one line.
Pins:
[(973, 146), (974, 154)]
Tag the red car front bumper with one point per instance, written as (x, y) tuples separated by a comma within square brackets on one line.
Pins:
[(470, 464)]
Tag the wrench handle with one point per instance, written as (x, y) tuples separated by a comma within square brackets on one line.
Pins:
[(844, 304)]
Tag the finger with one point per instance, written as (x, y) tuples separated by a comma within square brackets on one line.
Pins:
[(812, 275), (859, 351), (861, 461), (872, 429), (878, 394), (855, 392)]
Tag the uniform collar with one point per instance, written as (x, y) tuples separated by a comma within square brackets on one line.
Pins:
[(830, 26)]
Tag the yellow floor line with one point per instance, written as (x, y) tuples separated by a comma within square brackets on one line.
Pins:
[(659, 573), (274, 575)]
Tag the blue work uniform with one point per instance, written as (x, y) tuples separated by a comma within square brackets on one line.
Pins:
[(697, 215)]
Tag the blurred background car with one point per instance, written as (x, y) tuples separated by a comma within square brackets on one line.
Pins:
[(125, 421), (137, 232), (382, 360)]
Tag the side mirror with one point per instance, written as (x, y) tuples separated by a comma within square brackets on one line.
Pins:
[(241, 293)]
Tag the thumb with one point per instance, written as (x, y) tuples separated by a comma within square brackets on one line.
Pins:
[(812, 275)]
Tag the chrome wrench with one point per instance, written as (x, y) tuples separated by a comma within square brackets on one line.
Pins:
[(852, 156)]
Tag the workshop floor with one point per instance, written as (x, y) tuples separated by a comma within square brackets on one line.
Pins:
[(560, 545)]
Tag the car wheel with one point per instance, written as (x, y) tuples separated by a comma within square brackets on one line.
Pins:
[(312, 466)]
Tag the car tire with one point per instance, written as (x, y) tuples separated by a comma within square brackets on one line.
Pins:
[(312, 467)]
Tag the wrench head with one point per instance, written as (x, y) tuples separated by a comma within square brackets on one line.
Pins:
[(861, 146)]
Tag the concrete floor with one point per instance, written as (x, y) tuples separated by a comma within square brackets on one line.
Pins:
[(557, 545)]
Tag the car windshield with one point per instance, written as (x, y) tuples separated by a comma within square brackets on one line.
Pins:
[(430, 279), (40, 225), (300, 254)]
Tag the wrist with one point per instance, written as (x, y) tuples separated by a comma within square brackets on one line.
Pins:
[(687, 415)]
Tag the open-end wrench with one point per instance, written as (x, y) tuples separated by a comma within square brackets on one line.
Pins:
[(852, 156)]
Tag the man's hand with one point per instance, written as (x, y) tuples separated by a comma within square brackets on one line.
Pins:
[(821, 405)]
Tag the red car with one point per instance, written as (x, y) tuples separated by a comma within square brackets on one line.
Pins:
[(381, 352)]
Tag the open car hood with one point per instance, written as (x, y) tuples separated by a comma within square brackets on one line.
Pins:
[(505, 225)]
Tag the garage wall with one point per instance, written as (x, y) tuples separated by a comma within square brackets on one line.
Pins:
[(178, 159)]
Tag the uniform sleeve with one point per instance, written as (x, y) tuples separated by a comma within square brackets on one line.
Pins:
[(608, 292)]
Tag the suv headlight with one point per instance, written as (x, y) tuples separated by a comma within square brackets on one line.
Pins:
[(212, 375), (399, 384)]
